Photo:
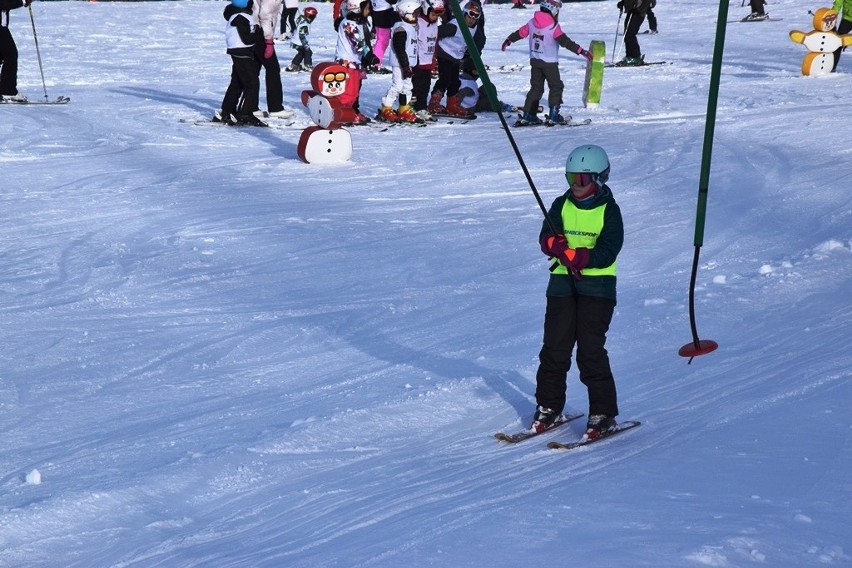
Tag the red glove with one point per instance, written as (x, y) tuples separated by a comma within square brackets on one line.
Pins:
[(575, 259), (554, 245), (27, 3), (506, 45), (270, 49), (585, 53)]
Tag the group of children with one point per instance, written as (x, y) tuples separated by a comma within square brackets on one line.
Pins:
[(422, 41)]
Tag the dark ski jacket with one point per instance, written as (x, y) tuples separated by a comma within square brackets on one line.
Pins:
[(606, 249)]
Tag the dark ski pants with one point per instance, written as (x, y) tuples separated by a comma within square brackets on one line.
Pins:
[(9, 62), (582, 321), (844, 27), (302, 54), (541, 71), (631, 28), (272, 70), (288, 20), (757, 6), (448, 81), (421, 80), (652, 20), (245, 81)]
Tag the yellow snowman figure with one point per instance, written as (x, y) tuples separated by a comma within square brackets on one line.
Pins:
[(822, 42)]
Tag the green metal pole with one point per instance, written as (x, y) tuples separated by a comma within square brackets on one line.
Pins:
[(701, 347)]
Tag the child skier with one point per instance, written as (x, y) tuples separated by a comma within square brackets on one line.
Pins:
[(303, 60), (403, 59), (351, 48), (581, 293), (636, 12), (452, 49), (545, 36), (427, 40), (242, 32)]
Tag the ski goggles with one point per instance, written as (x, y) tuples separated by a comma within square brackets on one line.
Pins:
[(473, 14), (334, 77), (579, 179)]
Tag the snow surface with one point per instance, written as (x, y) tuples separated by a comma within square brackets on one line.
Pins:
[(216, 355)]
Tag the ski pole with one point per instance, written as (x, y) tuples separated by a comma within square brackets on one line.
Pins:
[(626, 26), (615, 41), (38, 52), (488, 86)]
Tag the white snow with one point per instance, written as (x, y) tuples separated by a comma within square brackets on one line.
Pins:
[(216, 355)]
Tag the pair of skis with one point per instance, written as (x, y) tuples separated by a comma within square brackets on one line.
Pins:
[(56, 101), (565, 419)]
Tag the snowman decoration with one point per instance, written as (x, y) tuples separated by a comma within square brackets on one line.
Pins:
[(822, 42), (327, 142)]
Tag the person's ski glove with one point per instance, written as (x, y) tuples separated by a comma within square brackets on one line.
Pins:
[(575, 259), (407, 72), (270, 49), (506, 45), (554, 245), (585, 53)]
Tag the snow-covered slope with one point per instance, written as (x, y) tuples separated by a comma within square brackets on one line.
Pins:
[(214, 354)]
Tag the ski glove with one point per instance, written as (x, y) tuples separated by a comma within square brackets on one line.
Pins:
[(506, 45), (554, 245), (407, 73), (585, 53), (270, 49), (575, 259)]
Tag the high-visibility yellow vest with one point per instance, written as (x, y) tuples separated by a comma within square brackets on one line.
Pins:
[(582, 228)]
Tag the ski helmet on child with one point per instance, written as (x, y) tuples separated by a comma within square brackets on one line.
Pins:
[(407, 9), (588, 159), (551, 6), (310, 13), (240, 3)]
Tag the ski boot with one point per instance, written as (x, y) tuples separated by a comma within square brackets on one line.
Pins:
[(528, 119), (248, 119), (283, 113), (424, 115), (599, 425), (387, 114), (554, 117), (292, 68), (544, 419), (631, 61), (755, 17), (435, 106), (454, 108), (407, 114), (224, 117)]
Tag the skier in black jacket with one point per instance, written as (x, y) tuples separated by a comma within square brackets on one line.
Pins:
[(636, 11), (9, 53), (242, 32)]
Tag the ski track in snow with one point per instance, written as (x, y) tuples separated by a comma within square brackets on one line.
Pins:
[(216, 355)]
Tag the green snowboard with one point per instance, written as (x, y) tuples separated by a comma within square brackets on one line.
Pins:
[(594, 75)]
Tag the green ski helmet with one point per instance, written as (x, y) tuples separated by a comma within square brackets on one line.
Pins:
[(588, 159)]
